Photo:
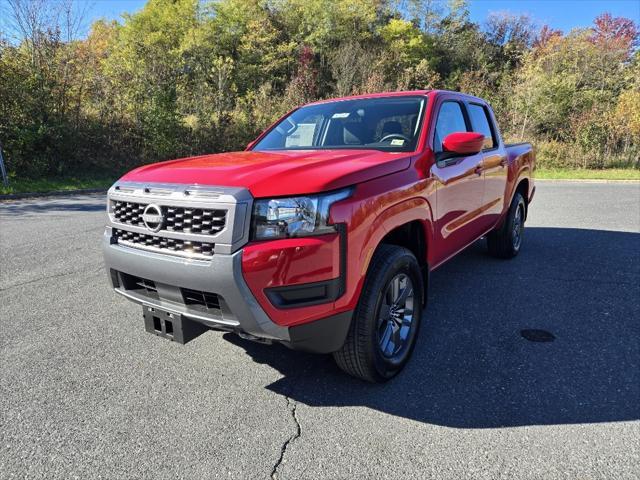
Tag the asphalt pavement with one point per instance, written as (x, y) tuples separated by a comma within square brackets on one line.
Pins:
[(86, 393)]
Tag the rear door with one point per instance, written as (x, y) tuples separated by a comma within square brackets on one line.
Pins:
[(494, 163), (459, 184)]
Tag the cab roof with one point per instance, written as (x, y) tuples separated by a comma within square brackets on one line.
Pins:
[(404, 93)]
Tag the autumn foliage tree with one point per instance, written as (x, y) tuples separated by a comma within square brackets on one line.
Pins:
[(183, 77)]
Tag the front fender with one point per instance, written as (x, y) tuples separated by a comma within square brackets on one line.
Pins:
[(372, 217)]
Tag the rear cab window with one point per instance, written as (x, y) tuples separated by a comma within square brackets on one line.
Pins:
[(481, 123)]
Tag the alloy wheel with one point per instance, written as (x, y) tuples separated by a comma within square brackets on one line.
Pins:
[(396, 315)]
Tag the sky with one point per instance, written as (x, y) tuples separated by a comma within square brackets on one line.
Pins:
[(560, 14)]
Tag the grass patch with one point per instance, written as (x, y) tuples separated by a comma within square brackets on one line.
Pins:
[(587, 174), (55, 184)]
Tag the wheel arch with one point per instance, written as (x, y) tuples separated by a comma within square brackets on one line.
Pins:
[(523, 189), (411, 235), (387, 226)]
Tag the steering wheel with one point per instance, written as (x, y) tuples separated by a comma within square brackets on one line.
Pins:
[(392, 135)]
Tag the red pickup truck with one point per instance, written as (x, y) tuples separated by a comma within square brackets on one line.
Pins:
[(322, 233)]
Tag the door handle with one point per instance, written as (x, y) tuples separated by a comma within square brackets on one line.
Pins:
[(503, 162), (478, 170)]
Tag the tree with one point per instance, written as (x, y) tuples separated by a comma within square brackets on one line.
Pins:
[(618, 35), (182, 77), (148, 69), (323, 25), (513, 35)]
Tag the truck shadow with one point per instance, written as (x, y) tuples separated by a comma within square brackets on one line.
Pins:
[(472, 368)]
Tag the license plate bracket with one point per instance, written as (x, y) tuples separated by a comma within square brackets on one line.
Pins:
[(172, 326)]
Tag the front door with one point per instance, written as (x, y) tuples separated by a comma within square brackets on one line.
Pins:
[(459, 187)]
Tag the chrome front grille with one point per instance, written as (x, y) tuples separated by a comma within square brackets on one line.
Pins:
[(185, 248), (192, 221), (202, 221), (128, 212)]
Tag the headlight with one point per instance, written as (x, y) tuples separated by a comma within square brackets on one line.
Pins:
[(295, 216)]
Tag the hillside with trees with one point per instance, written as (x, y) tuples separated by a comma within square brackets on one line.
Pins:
[(185, 77)]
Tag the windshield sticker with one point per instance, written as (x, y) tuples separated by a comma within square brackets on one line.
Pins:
[(397, 142), (340, 115), (302, 136)]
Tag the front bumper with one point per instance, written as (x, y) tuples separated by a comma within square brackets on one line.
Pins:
[(237, 308)]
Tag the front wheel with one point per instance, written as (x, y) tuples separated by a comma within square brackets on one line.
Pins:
[(505, 241), (385, 325)]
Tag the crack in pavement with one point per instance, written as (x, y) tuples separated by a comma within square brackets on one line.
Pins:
[(292, 405), (50, 277)]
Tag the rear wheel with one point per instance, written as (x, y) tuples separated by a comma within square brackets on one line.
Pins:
[(505, 242), (387, 319)]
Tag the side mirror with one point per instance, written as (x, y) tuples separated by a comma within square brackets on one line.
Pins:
[(463, 143)]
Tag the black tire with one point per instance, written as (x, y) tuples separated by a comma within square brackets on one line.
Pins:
[(376, 317), (506, 240)]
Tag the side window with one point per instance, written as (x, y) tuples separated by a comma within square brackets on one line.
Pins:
[(450, 120), (480, 123)]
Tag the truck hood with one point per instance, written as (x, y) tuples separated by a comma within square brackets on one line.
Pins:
[(276, 173)]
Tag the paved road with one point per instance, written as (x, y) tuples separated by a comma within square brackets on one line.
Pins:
[(86, 393)]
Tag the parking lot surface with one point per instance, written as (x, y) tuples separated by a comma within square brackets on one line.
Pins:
[(86, 393)]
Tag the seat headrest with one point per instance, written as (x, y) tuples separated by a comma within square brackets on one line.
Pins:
[(391, 127)]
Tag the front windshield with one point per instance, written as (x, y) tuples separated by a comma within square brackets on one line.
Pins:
[(390, 124)]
